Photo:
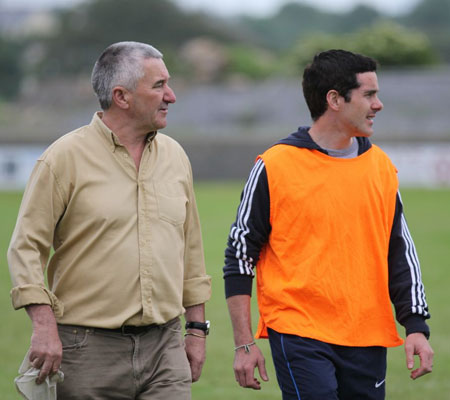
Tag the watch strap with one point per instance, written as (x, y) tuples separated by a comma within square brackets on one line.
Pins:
[(203, 326)]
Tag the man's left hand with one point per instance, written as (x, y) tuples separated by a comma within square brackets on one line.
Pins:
[(196, 354), (417, 344)]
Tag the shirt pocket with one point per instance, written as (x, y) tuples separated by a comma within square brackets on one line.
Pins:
[(171, 200)]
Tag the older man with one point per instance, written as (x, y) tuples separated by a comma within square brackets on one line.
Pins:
[(115, 201)]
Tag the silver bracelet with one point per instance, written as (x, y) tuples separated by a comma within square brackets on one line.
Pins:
[(246, 347)]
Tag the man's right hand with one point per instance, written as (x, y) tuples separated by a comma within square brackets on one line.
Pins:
[(46, 348), (244, 367)]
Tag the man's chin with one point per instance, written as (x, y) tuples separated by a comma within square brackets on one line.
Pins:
[(364, 134)]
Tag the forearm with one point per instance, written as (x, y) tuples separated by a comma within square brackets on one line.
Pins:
[(195, 341), (195, 313), (41, 316), (240, 313)]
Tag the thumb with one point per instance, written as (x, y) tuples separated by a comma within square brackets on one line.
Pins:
[(262, 369), (409, 357)]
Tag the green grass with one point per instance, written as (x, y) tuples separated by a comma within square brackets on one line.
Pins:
[(428, 215)]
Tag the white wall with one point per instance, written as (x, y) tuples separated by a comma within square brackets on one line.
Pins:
[(419, 165)]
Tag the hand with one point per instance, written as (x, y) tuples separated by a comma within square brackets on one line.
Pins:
[(196, 354), (46, 348), (244, 367), (417, 344)]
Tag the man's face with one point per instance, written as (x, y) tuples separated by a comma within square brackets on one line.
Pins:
[(358, 114), (151, 99)]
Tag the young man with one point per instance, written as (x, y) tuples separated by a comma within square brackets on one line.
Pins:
[(115, 201), (322, 221)]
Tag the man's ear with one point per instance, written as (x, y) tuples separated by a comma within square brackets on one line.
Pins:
[(121, 97), (334, 99)]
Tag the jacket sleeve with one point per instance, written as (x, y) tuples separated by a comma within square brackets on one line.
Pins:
[(248, 233), (405, 281)]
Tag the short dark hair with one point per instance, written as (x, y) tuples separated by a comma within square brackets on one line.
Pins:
[(333, 70)]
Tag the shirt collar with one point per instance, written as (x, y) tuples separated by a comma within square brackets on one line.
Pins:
[(109, 135)]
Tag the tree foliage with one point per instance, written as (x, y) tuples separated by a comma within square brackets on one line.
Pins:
[(389, 43), (250, 62), (433, 18), (252, 44), (10, 68), (86, 30)]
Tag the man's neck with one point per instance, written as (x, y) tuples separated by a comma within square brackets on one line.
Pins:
[(124, 130), (133, 141), (328, 135)]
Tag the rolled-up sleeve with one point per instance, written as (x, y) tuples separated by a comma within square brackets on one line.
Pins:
[(28, 253)]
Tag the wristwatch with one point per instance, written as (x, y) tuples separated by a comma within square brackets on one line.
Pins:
[(203, 326)]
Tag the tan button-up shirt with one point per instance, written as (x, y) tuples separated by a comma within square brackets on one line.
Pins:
[(127, 243)]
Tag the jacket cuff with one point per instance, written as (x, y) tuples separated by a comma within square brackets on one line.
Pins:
[(196, 291), (416, 324), (238, 284), (26, 295)]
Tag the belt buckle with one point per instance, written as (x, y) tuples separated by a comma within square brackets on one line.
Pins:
[(128, 330)]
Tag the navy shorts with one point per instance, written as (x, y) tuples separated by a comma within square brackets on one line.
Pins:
[(308, 369)]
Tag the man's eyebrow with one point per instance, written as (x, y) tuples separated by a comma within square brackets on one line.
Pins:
[(371, 91), (160, 81)]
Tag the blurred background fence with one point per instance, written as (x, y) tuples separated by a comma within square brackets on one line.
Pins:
[(224, 127)]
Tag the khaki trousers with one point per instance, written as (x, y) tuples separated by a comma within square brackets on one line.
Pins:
[(108, 365)]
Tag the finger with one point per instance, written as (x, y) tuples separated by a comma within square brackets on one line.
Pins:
[(196, 372), (238, 376), (262, 370), (55, 369), (251, 381), (256, 385), (243, 379), (44, 371), (417, 373), (37, 363), (426, 366)]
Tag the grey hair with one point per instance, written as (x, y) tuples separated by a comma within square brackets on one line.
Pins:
[(120, 64)]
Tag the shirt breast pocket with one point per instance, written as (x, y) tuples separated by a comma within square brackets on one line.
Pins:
[(172, 201)]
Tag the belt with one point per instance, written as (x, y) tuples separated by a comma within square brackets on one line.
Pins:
[(127, 329)]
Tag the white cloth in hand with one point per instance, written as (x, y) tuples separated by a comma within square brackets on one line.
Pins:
[(26, 382)]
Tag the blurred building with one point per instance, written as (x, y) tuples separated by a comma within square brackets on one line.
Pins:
[(25, 22)]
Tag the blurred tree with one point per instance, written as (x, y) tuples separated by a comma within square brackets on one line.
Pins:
[(430, 14), (87, 29), (292, 20), (389, 43), (394, 45), (10, 68), (433, 18), (361, 16), (250, 62), (296, 20)]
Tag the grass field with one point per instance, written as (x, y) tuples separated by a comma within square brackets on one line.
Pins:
[(428, 214)]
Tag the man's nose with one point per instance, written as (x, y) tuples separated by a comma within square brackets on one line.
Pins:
[(169, 96), (378, 105)]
